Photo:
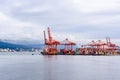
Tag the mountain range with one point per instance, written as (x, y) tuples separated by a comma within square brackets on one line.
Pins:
[(19, 46)]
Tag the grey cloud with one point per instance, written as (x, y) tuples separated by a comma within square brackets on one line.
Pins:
[(61, 16)]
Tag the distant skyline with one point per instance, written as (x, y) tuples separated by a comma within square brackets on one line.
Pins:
[(78, 20)]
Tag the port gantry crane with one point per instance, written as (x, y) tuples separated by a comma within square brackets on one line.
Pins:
[(109, 44), (100, 47), (113, 48), (50, 45), (89, 48), (68, 47)]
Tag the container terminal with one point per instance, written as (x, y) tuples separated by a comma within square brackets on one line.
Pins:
[(92, 48)]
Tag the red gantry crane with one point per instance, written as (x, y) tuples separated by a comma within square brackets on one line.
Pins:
[(50, 45), (92, 44), (109, 44), (68, 46), (94, 47), (100, 47), (110, 47), (89, 48)]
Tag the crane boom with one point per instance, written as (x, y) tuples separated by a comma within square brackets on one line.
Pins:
[(45, 39), (49, 35)]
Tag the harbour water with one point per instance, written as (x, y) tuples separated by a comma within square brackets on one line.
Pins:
[(25, 66)]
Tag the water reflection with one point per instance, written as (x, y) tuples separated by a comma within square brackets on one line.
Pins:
[(80, 68), (39, 67), (50, 57), (48, 67)]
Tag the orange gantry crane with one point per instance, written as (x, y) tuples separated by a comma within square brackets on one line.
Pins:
[(89, 48), (109, 44), (50, 45), (100, 47), (68, 47), (110, 47), (92, 48)]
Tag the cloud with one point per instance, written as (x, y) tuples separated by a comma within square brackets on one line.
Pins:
[(14, 29), (75, 19)]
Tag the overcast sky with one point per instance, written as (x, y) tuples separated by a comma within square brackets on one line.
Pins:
[(74, 19)]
